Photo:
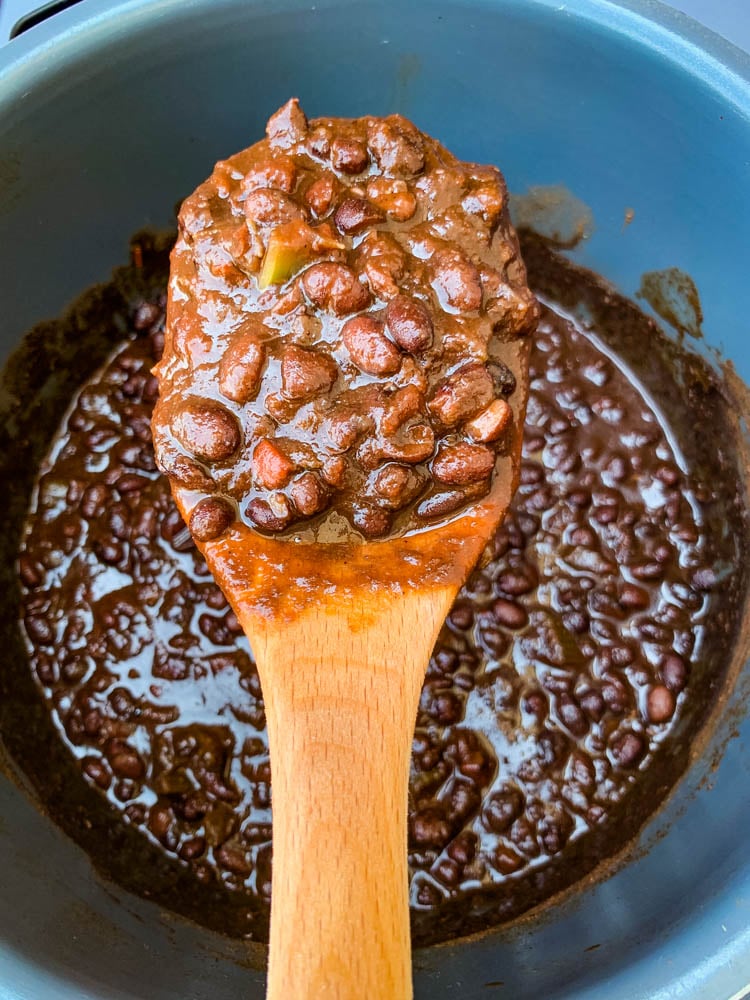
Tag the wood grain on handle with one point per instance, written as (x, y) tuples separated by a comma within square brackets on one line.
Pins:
[(341, 689)]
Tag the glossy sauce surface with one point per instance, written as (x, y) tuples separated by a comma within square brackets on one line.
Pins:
[(562, 668), (346, 343)]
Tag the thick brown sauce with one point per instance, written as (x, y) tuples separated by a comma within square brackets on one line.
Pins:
[(566, 663), (346, 348)]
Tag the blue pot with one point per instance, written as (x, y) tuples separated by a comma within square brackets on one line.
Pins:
[(112, 112)]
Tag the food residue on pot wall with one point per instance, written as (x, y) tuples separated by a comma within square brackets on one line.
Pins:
[(553, 213), (672, 294)]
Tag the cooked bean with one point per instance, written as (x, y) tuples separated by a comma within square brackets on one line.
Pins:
[(396, 145), (429, 828), (210, 518), (372, 521), (491, 423), (269, 518), (393, 197), (97, 770), (30, 574), (280, 172), (268, 207), (457, 280), (441, 504), (321, 193), (462, 463), (462, 395), (241, 366), (384, 263), (627, 749), (146, 315), (93, 500), (485, 200), (392, 482), (660, 704), (308, 494), (402, 405), (634, 598), (335, 287), (39, 630), (131, 483), (207, 430), (184, 470), (349, 156), (409, 323), (413, 445), (127, 764), (674, 672), (306, 373), (354, 215), (509, 613), (502, 809), (346, 426), (369, 348)]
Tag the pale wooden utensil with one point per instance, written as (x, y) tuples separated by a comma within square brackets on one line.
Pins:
[(342, 634)]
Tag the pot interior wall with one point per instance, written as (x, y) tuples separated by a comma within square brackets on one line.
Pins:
[(107, 123)]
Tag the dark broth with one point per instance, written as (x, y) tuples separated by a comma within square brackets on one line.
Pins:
[(574, 670)]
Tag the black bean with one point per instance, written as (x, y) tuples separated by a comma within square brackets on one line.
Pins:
[(265, 517), (409, 323), (207, 430), (464, 848), (109, 551), (193, 848), (555, 833), (660, 704), (634, 598), (509, 613), (446, 708), (96, 769), (593, 704), (571, 715), (650, 571), (535, 703), (93, 500), (234, 860), (674, 672), (461, 616), (369, 348), (210, 518), (429, 828), (627, 749), (127, 764), (506, 860), (29, 572), (448, 871), (518, 582), (502, 809), (355, 215), (39, 630), (349, 156)]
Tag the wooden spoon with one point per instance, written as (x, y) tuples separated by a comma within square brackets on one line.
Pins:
[(342, 631), (342, 634)]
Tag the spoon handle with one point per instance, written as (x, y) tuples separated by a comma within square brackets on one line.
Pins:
[(341, 691)]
